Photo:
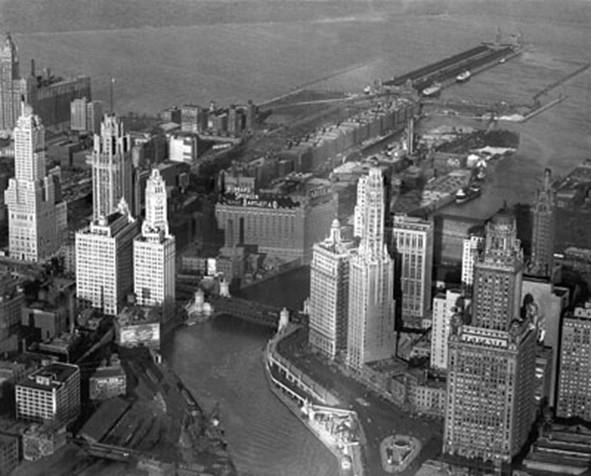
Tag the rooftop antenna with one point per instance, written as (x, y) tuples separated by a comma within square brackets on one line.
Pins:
[(111, 100)]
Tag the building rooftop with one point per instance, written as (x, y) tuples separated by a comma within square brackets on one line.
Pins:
[(51, 376), (132, 315), (104, 419), (104, 372)]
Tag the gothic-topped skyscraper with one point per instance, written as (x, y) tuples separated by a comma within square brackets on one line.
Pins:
[(542, 246), (491, 366), (111, 167), (154, 251), (36, 213), (371, 310), (12, 88)]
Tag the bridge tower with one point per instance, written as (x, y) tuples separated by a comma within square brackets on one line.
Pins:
[(283, 319)]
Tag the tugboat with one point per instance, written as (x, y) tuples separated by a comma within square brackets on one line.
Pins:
[(466, 194), (463, 76)]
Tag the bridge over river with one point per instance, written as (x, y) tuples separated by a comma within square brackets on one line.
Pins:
[(251, 311)]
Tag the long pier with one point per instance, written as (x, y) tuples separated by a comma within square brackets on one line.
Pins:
[(447, 69), (421, 73)]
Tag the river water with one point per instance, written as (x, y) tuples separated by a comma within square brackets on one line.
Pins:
[(158, 67)]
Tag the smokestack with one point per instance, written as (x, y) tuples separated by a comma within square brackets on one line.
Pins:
[(33, 68)]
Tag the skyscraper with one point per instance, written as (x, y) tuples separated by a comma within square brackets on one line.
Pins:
[(542, 246), (104, 260), (154, 251), (574, 382), (111, 168), (85, 115), (413, 242), (12, 87), (491, 366), (36, 213), (329, 293), (370, 334)]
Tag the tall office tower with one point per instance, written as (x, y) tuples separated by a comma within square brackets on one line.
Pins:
[(574, 382), (154, 252), (542, 245), (358, 212), (94, 114), (12, 87), (491, 367), (104, 260), (445, 306), (78, 114), (471, 250), (413, 242), (370, 330), (111, 168), (329, 292), (37, 215), (51, 393), (85, 115)]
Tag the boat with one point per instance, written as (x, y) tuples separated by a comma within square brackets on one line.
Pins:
[(480, 175), (463, 76), (464, 195), (432, 90), (502, 60)]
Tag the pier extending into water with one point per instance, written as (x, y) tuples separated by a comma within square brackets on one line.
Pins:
[(445, 71)]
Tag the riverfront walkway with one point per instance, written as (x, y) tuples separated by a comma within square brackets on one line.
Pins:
[(337, 428)]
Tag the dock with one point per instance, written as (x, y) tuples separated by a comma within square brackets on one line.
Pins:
[(446, 70)]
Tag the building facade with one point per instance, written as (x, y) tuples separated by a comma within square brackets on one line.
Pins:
[(104, 260), (445, 306), (471, 249), (11, 306), (183, 147), (9, 454), (138, 326), (546, 304), (370, 332), (574, 382), (154, 251), (50, 394), (491, 367), (37, 215), (52, 98), (329, 293), (413, 244), (282, 226), (542, 244), (111, 168)]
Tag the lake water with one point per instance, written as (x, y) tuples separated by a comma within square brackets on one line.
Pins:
[(158, 67)]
